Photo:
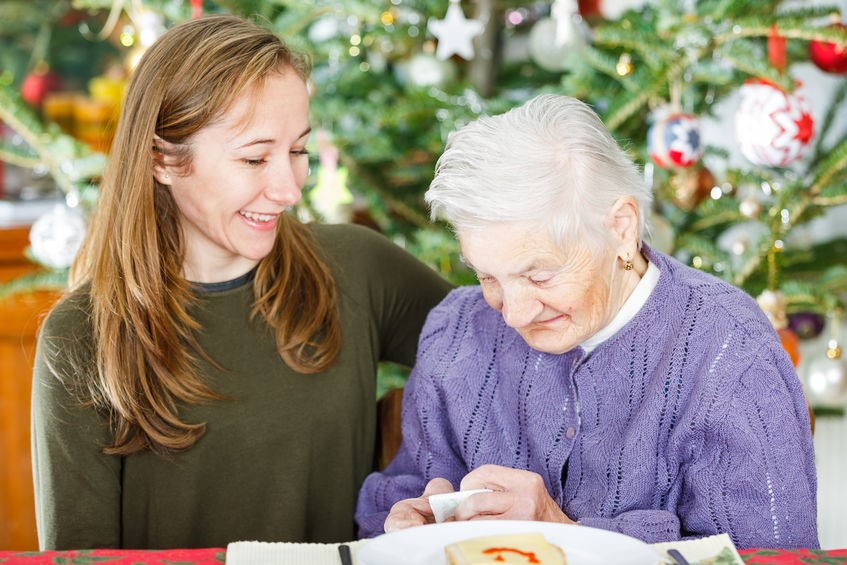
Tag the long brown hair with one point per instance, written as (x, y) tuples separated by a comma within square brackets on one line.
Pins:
[(131, 260)]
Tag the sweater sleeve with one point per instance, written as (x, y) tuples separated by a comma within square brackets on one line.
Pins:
[(77, 487), (426, 451), (651, 526), (746, 463), (399, 289), (413, 290), (752, 475)]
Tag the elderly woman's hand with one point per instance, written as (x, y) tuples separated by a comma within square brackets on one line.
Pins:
[(517, 495), (416, 511)]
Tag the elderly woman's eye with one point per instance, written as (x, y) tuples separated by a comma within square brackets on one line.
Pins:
[(539, 279)]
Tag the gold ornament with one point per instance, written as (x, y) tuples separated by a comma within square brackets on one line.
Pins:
[(833, 350), (826, 381), (624, 65), (750, 208), (772, 303), (691, 186)]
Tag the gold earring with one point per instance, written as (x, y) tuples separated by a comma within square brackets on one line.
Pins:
[(627, 265)]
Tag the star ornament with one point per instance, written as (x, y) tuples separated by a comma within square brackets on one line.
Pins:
[(454, 33), (674, 140), (685, 141)]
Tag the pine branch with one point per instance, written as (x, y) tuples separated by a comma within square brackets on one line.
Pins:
[(826, 123), (653, 53), (710, 220), (829, 201), (43, 280), (703, 247), (647, 93), (68, 161), (601, 62), (834, 165), (20, 155), (806, 13), (789, 28), (748, 59), (754, 262), (375, 184)]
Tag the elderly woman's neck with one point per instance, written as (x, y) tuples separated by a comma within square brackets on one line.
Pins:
[(632, 277), (639, 265)]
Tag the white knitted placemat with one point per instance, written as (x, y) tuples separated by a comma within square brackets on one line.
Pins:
[(278, 553)]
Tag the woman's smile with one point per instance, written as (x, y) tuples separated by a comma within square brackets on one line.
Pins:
[(259, 221)]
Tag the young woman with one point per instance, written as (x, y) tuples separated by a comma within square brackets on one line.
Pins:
[(210, 375)]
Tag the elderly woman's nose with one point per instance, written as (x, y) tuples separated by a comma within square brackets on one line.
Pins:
[(519, 308)]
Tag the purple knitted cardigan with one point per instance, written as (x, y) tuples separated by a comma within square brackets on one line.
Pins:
[(689, 421)]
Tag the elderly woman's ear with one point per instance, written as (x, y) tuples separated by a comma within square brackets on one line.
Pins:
[(623, 222)]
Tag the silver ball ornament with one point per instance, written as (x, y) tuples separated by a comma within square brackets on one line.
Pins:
[(56, 236), (826, 381), (550, 48), (424, 70)]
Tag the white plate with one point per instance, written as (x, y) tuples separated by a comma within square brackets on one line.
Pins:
[(424, 545)]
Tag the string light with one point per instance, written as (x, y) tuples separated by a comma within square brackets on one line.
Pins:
[(833, 350), (624, 65), (127, 36)]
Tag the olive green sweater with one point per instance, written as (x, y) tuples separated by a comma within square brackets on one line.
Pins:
[(281, 460)]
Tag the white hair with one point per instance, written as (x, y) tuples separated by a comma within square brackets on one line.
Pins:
[(549, 162)]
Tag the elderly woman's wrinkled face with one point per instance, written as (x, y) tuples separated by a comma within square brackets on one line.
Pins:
[(555, 298)]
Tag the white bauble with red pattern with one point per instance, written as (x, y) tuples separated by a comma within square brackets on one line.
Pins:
[(773, 128)]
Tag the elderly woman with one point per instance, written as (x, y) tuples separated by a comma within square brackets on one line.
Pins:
[(590, 378)]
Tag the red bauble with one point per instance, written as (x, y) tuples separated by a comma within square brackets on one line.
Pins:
[(196, 9), (829, 57), (38, 84), (589, 9)]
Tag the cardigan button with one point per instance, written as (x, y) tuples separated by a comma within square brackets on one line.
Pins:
[(570, 432)]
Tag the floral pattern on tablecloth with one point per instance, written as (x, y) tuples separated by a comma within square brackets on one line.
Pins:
[(217, 556), (205, 556)]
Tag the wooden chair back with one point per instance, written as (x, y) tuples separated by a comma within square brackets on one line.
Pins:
[(389, 435)]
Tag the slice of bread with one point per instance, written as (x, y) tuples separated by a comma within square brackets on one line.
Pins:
[(530, 548)]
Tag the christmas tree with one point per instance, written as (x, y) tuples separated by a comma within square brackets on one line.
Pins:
[(393, 79)]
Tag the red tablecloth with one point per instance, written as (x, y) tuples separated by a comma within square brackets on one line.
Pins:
[(212, 556), (217, 555)]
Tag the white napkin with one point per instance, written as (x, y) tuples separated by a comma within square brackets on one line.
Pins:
[(283, 553), (444, 505), (702, 550)]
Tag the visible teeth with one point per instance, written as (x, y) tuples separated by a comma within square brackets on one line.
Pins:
[(257, 217)]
